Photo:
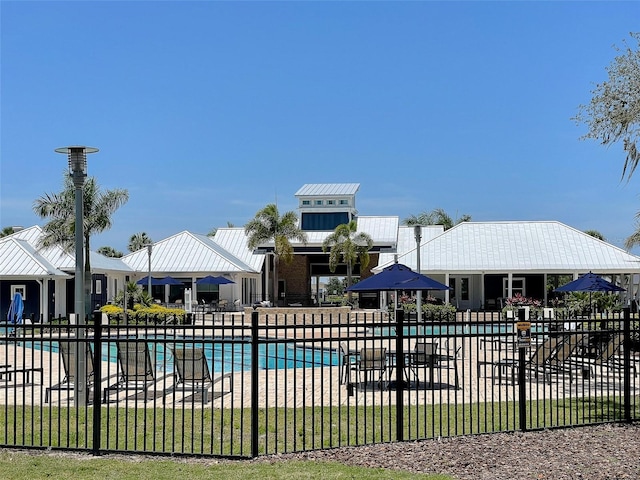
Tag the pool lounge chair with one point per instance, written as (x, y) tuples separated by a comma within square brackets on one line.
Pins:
[(555, 356), (136, 370), (609, 357), (192, 374), (69, 358)]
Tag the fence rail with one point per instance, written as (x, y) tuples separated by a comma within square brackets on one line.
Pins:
[(236, 385)]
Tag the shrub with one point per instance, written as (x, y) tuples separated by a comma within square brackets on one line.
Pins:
[(517, 301), (446, 312), (142, 314)]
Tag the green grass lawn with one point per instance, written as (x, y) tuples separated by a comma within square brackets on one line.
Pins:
[(34, 466), (228, 432)]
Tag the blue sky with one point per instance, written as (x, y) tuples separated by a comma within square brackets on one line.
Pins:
[(207, 111)]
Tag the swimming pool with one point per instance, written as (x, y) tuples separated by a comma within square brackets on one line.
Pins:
[(236, 356), (222, 356)]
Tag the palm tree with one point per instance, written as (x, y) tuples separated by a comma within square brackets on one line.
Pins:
[(595, 234), (347, 246), (138, 241), (110, 252), (6, 231), (634, 239), (423, 218), (213, 231), (437, 216), (60, 208), (269, 226)]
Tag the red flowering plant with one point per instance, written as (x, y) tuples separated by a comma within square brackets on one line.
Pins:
[(517, 301)]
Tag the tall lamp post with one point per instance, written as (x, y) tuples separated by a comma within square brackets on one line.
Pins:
[(417, 232), (77, 156), (149, 249)]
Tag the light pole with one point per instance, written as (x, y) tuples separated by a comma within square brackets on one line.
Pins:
[(77, 156), (417, 232), (149, 249)]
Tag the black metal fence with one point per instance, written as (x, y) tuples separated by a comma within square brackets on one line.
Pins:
[(237, 385)]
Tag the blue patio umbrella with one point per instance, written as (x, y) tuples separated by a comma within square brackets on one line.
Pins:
[(590, 282), (145, 281), (397, 277), (159, 281), (212, 280), (15, 309), (422, 282), (169, 281)]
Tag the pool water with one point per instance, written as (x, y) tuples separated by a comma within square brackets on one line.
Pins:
[(223, 357)]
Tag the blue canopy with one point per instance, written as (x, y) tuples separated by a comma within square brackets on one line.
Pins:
[(159, 281), (397, 277), (211, 280), (422, 282), (145, 281), (15, 309), (590, 282)]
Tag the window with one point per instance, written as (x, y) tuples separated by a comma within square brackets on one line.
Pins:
[(464, 288), (344, 202), (331, 202), (518, 287), (98, 287), (323, 221), (306, 203), (21, 289), (318, 202)]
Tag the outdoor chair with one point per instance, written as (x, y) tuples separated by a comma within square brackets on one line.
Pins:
[(191, 373), (608, 357), (554, 355), (424, 356), (372, 363), (450, 362), (136, 370), (348, 363), (69, 362)]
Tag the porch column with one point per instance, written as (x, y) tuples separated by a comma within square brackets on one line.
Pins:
[(447, 293), (60, 299), (267, 272), (509, 285)]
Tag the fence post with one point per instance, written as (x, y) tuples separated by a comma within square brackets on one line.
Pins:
[(522, 387), (254, 383), (626, 352), (97, 375), (399, 375)]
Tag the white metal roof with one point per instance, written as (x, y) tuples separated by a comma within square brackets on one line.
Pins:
[(62, 260), (406, 247), (187, 252), (327, 189), (19, 259), (473, 247), (234, 241), (54, 255), (101, 263)]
